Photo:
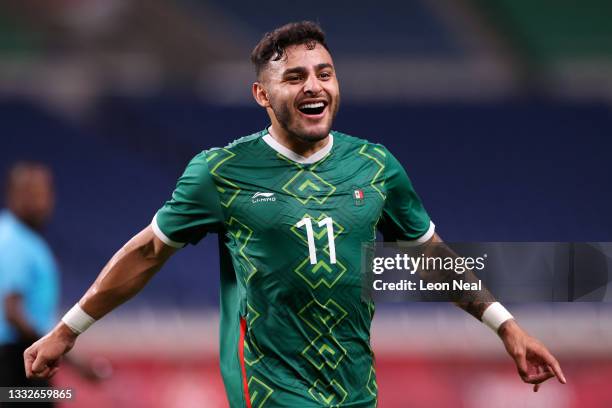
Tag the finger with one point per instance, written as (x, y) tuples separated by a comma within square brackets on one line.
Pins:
[(42, 373), (555, 367), (39, 364), (28, 359), (50, 369), (521, 365), (539, 378), (536, 387)]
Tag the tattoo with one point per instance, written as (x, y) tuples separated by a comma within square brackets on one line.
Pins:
[(475, 308)]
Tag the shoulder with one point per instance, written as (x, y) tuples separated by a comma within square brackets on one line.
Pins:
[(240, 145), (353, 142), (344, 138), (208, 159), (13, 232), (26, 246), (351, 145)]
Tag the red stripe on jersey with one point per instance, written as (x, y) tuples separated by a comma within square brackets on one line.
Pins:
[(245, 383)]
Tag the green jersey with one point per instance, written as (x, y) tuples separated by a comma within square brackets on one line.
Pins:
[(295, 328)]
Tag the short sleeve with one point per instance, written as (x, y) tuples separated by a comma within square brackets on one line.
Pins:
[(15, 269), (404, 217), (194, 209)]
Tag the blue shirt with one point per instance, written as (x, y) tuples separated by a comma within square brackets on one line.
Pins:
[(27, 267)]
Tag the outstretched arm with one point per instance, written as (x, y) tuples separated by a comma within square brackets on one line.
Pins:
[(124, 276), (534, 363)]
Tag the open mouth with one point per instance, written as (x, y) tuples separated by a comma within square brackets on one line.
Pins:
[(312, 108)]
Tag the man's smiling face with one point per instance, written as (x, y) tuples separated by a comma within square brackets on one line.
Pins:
[(303, 92)]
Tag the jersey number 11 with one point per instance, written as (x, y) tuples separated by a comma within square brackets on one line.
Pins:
[(312, 250)]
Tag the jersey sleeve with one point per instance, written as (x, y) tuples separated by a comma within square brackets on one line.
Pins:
[(404, 218), (194, 209), (15, 271)]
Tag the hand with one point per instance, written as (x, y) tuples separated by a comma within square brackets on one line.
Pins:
[(534, 362), (42, 358)]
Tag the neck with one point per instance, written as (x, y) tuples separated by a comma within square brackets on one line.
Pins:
[(27, 221), (302, 147)]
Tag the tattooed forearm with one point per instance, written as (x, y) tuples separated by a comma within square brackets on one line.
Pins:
[(475, 308), (472, 301)]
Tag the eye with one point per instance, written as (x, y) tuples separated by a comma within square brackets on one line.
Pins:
[(325, 75), (293, 78)]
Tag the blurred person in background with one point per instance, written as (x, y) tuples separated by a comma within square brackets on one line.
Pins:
[(292, 334), (29, 281), (29, 278)]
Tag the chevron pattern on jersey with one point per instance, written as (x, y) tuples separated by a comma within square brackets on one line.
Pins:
[(331, 395), (252, 353), (323, 349), (372, 386), (306, 185), (259, 392), (242, 234), (323, 272), (377, 155), (228, 191)]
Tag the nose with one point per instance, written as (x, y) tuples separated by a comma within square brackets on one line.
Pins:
[(312, 85)]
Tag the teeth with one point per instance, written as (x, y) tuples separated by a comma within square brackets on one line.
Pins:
[(312, 105)]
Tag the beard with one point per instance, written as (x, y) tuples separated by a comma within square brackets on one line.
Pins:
[(288, 120)]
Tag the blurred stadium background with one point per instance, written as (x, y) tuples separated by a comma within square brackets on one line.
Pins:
[(501, 111)]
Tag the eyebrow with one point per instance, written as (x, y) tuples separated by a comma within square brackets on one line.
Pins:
[(299, 70)]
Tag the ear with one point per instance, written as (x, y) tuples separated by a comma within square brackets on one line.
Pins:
[(261, 95)]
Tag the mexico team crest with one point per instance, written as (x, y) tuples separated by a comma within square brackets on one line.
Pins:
[(358, 196)]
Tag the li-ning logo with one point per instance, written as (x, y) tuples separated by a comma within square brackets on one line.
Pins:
[(262, 197)]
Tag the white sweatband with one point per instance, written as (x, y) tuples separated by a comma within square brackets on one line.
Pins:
[(495, 315), (77, 319)]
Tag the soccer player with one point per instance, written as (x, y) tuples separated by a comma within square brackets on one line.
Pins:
[(292, 205)]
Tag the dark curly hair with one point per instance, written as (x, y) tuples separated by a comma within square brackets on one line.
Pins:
[(273, 44)]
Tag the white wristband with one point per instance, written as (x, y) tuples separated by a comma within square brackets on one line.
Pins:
[(495, 315), (77, 319)]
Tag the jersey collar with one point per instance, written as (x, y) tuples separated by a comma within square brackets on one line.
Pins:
[(291, 155)]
